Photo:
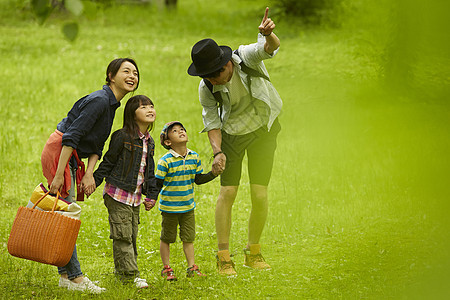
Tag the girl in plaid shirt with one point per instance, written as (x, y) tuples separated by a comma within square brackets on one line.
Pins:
[(128, 169)]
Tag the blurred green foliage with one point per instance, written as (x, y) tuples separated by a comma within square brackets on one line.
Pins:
[(359, 193), (42, 9), (311, 12), (417, 54), (408, 40), (72, 9)]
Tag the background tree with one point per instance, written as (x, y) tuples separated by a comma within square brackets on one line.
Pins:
[(171, 4), (313, 12), (44, 8)]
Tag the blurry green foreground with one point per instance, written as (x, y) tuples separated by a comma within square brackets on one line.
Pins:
[(360, 193)]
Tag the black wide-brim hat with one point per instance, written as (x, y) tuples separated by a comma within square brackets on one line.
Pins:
[(208, 57)]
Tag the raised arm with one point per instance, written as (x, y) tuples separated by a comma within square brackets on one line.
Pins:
[(266, 28)]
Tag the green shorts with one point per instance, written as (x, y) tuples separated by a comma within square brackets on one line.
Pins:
[(260, 146), (169, 225)]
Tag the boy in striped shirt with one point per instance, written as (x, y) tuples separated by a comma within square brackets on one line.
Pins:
[(176, 174)]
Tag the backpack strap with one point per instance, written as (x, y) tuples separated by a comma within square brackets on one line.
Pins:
[(246, 69), (216, 95), (210, 88), (249, 71)]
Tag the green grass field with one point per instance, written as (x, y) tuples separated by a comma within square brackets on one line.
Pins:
[(360, 188)]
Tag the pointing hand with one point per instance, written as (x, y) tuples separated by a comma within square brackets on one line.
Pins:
[(267, 25)]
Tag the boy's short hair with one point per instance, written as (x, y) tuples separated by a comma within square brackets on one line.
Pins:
[(165, 132)]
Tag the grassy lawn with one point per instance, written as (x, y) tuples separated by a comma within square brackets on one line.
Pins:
[(359, 192)]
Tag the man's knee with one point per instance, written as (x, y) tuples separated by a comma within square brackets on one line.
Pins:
[(228, 194), (259, 193)]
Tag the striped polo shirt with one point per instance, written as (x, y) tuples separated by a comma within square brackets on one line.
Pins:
[(178, 173)]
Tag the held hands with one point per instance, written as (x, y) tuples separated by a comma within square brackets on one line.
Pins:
[(88, 184), (267, 25), (219, 163), (149, 204)]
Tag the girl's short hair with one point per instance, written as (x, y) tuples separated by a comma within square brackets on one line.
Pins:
[(114, 67), (129, 122)]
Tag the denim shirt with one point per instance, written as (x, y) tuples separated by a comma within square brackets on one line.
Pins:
[(88, 124), (263, 90), (121, 163)]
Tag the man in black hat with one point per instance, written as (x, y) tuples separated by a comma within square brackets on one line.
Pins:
[(240, 114)]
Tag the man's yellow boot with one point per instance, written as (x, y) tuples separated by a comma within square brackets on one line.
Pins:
[(224, 264), (254, 259)]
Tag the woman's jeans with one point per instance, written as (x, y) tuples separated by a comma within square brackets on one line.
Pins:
[(72, 269)]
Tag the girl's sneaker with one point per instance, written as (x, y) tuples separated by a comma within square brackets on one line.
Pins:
[(194, 271), (168, 274), (140, 283)]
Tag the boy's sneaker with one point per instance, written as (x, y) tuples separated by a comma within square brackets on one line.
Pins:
[(64, 282), (168, 274), (254, 259), (140, 283), (85, 286), (194, 271), (225, 266)]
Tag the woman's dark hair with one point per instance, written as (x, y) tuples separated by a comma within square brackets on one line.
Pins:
[(129, 122), (114, 67)]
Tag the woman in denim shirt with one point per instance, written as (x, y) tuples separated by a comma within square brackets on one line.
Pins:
[(82, 134)]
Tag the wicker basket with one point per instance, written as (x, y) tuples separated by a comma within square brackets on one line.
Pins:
[(43, 236)]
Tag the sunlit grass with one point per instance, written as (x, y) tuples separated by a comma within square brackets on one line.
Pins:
[(359, 192)]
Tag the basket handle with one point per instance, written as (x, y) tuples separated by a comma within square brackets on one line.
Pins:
[(54, 205)]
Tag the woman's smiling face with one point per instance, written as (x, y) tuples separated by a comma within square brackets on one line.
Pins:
[(127, 77)]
